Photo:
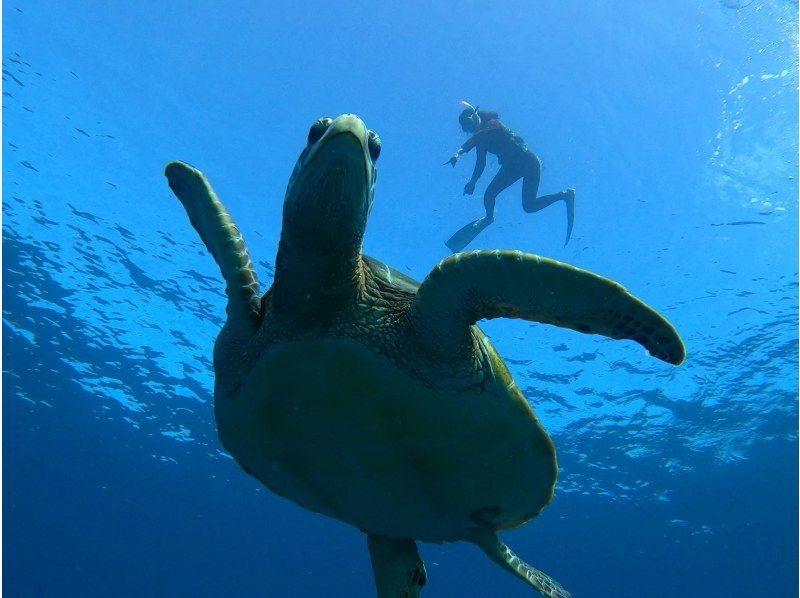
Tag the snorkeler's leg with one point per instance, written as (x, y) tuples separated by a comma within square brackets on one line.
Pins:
[(530, 185), (504, 178), (531, 203)]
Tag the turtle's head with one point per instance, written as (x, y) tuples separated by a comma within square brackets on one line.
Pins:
[(329, 196)]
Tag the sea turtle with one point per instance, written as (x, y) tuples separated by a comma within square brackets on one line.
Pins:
[(356, 392)]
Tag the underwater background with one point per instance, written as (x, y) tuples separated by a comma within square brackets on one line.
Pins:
[(676, 123)]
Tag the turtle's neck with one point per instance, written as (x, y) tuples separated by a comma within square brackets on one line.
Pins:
[(313, 283)]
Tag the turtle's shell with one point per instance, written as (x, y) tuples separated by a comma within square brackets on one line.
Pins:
[(342, 429)]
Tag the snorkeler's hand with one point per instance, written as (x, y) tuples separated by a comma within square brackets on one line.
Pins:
[(453, 159), (469, 188)]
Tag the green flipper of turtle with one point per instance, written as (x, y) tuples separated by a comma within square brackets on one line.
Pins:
[(223, 240), (468, 287), (398, 567), (501, 554)]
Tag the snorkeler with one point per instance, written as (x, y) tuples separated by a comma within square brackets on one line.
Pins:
[(516, 162)]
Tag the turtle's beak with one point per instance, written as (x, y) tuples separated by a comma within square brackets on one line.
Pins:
[(344, 140), (330, 193)]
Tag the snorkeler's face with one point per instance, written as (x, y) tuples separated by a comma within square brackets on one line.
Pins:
[(471, 124)]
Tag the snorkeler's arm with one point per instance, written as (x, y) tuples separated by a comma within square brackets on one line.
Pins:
[(480, 164), (473, 141), (468, 145)]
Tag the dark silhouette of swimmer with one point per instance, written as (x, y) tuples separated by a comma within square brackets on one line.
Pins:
[(516, 162)]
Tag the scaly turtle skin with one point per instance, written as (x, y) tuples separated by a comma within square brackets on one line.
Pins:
[(356, 392)]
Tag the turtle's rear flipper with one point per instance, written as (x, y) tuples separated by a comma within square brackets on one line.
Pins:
[(467, 287), (223, 240), (505, 557), (398, 568)]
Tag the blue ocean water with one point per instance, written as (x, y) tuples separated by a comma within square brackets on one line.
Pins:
[(675, 122)]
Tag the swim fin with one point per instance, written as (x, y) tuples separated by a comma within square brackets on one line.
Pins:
[(570, 201), (466, 234)]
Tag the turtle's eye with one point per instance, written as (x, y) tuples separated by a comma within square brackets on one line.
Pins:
[(318, 129), (374, 145)]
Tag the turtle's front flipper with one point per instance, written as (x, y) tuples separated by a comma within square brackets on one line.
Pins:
[(505, 557), (398, 568), (468, 287), (223, 240)]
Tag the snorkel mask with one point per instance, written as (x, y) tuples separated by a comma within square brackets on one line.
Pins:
[(469, 115)]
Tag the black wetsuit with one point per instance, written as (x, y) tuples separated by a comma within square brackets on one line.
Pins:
[(516, 162), (496, 138)]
